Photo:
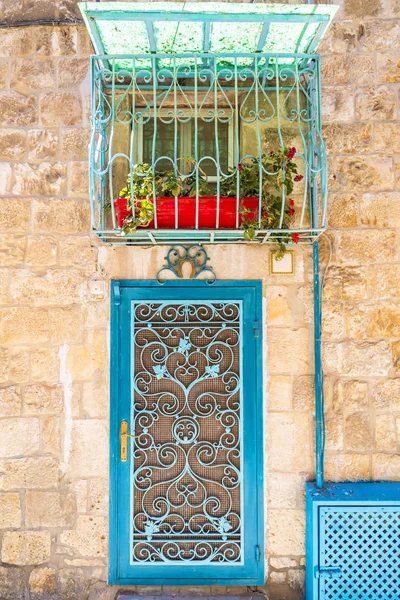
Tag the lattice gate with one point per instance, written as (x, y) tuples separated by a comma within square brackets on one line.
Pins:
[(353, 542)]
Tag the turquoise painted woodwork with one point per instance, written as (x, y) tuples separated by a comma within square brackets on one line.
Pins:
[(353, 541), (182, 68), (186, 506)]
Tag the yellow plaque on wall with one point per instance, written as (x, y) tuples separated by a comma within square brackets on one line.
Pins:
[(283, 266)]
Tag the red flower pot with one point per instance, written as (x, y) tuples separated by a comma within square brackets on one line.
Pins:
[(186, 207)]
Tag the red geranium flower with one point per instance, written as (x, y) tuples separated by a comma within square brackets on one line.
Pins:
[(291, 211), (291, 202), (295, 238), (265, 215), (298, 178), (240, 167), (291, 153)]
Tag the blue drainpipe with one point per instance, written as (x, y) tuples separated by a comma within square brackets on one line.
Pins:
[(318, 373)]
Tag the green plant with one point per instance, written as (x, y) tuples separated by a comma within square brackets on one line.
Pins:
[(279, 173)]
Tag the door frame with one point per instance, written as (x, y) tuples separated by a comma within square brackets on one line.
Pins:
[(117, 287)]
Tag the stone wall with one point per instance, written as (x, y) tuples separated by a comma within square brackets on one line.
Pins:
[(54, 308)]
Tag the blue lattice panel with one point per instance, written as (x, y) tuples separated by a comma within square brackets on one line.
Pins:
[(353, 542)]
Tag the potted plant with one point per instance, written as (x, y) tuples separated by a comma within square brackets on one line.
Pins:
[(175, 196)]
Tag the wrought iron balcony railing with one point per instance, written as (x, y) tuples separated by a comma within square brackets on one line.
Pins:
[(200, 136)]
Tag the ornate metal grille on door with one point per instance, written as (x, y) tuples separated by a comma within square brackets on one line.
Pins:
[(186, 491)]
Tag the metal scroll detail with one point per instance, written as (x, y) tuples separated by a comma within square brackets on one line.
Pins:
[(195, 255), (187, 469)]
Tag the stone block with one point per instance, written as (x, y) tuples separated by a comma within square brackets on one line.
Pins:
[(286, 532), (79, 179), (365, 359), (10, 511), (285, 490), (341, 37), (388, 67), (39, 472), (12, 250), (395, 347), (26, 547), (63, 216), (41, 251), (78, 251), (89, 454), (334, 432), (89, 538), (289, 442), (17, 109), (54, 287), (51, 436), (362, 173), (98, 496), (376, 103), (384, 281), (49, 509), (362, 247), (386, 394), (277, 577), (4, 364), (333, 321), (379, 35), (43, 399), (19, 365), (386, 467), (278, 309), (45, 365), (348, 138), (352, 68), (29, 75), (10, 401), (337, 104), (343, 210), (289, 350), (359, 9), (14, 215), (42, 144), (5, 178), (347, 467), (282, 562), (84, 360), (4, 279), (12, 144), (384, 134), (75, 143), (358, 432), (65, 324), (373, 321), (12, 583), (385, 433), (19, 436), (350, 394), (60, 108), (56, 41), (42, 581), (279, 392), (72, 72), (45, 179), (16, 42), (95, 396), (303, 392), (380, 210)]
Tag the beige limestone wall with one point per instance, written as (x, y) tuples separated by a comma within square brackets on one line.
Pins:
[(54, 308)]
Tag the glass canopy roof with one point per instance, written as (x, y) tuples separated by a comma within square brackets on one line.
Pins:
[(137, 28)]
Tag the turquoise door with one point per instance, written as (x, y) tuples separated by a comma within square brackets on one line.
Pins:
[(186, 500)]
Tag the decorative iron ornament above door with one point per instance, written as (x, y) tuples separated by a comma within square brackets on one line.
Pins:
[(187, 420)]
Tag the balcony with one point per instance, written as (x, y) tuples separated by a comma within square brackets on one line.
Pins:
[(206, 127)]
